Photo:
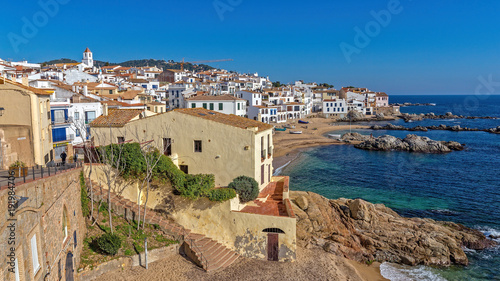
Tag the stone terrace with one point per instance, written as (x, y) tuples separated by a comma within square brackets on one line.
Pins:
[(272, 200)]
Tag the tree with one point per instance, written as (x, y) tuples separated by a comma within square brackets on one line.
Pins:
[(151, 156), (246, 187), (277, 84), (326, 85), (111, 157)]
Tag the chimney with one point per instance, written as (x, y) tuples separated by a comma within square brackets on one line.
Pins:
[(105, 109), (25, 81), (85, 90), (74, 88)]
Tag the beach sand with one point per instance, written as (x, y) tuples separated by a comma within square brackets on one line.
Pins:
[(287, 146), (311, 264)]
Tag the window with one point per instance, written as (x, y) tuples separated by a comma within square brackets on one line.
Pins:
[(193, 105), (211, 106), (221, 106), (16, 264), (197, 146), (34, 255), (77, 132), (77, 115), (121, 140), (239, 105), (65, 224), (184, 168), (205, 106)]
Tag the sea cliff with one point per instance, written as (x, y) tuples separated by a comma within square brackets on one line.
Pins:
[(366, 232)]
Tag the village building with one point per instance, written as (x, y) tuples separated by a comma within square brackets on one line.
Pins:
[(25, 125)]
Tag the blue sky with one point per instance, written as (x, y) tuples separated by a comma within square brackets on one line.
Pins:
[(427, 47)]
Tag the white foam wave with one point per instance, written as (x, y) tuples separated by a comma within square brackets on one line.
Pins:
[(395, 272), (277, 171), (490, 232)]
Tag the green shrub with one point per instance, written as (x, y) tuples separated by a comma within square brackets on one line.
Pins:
[(221, 194), (84, 196), (109, 243), (246, 187), (197, 186), (166, 169)]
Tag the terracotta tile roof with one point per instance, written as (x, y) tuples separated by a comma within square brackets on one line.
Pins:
[(231, 120), (86, 50), (155, 103), (34, 90), (116, 117), (219, 98)]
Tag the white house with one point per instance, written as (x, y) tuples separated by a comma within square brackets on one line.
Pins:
[(335, 107), (381, 99), (224, 104)]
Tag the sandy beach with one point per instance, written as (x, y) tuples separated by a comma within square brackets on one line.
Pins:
[(287, 146), (311, 264)]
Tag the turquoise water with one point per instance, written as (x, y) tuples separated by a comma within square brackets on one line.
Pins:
[(460, 186)]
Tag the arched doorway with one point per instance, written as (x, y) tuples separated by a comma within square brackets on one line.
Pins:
[(69, 267), (273, 243)]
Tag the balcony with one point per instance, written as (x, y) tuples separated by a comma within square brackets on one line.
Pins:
[(62, 121), (263, 155)]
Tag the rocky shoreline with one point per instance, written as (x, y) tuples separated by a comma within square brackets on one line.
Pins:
[(442, 127), (412, 104), (367, 232), (419, 117), (411, 143)]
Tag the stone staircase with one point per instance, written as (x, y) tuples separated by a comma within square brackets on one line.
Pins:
[(206, 252)]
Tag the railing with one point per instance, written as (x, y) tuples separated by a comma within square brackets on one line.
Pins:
[(37, 172), (63, 121), (193, 245), (263, 154)]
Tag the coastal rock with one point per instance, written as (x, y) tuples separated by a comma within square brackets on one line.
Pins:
[(494, 130), (354, 137), (363, 231), (302, 202), (412, 143)]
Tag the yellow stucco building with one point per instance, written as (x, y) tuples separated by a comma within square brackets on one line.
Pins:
[(199, 141), (25, 125)]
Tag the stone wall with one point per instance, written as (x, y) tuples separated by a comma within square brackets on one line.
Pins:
[(42, 215), (128, 262), (241, 232)]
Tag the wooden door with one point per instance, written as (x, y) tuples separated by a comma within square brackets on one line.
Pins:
[(272, 246), (167, 146), (69, 267)]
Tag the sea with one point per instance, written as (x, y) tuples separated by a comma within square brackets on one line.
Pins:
[(461, 186)]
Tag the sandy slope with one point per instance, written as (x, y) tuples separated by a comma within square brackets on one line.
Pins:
[(312, 264)]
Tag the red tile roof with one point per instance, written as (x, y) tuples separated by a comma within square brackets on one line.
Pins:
[(116, 118), (231, 120)]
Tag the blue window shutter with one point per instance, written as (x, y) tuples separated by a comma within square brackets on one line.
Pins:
[(58, 134), (65, 114), (52, 115)]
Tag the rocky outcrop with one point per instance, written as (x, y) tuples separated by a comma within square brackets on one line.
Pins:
[(419, 117), (412, 143), (456, 128), (494, 130), (363, 231), (348, 137)]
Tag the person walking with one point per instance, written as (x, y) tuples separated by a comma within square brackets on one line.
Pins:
[(75, 157), (63, 157)]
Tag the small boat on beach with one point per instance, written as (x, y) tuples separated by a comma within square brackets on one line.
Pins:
[(280, 129), (290, 126), (334, 136), (303, 122), (296, 132)]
